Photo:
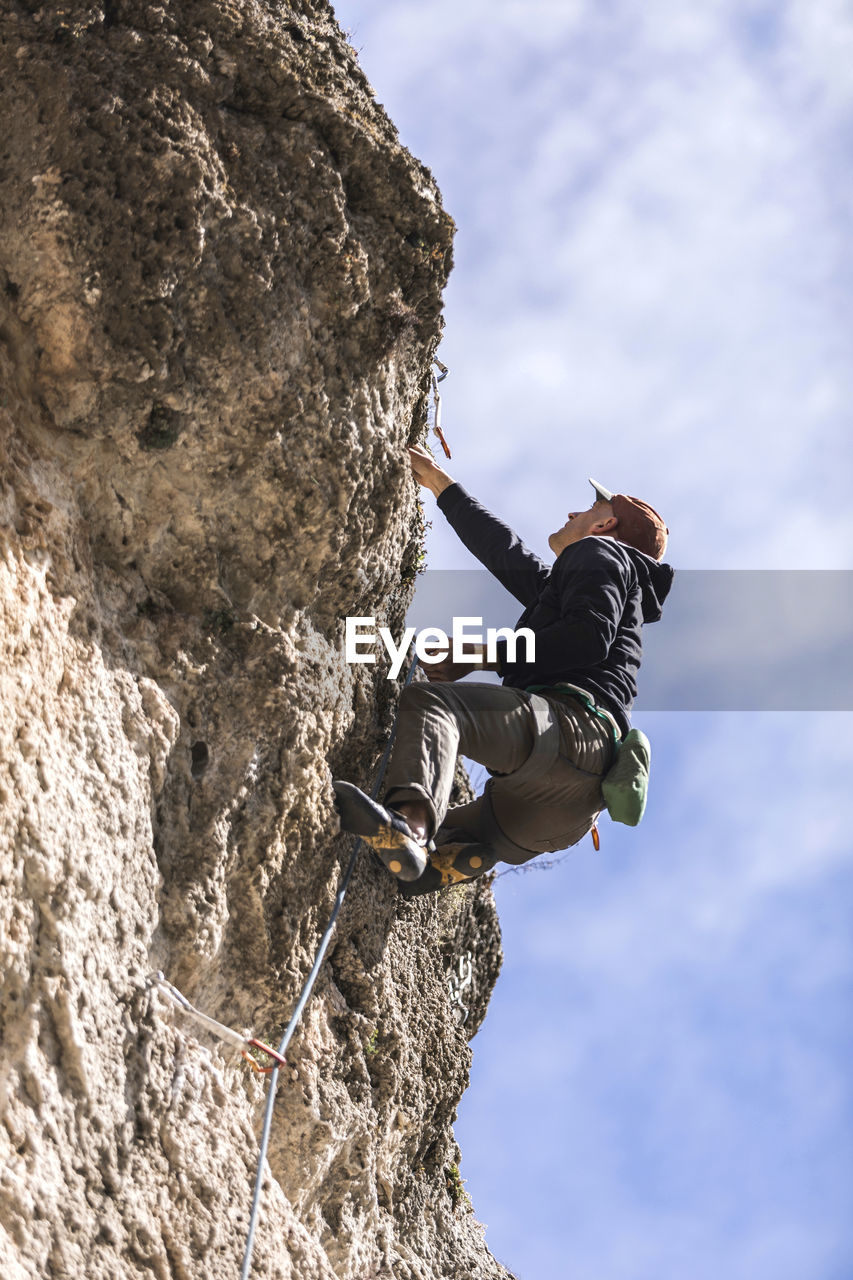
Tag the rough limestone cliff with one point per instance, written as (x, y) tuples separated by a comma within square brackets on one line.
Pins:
[(220, 291)]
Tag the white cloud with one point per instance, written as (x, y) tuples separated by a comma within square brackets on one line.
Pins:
[(665, 1003), (652, 261)]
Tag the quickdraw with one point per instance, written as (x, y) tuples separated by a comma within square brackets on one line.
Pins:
[(219, 1029), (436, 422), (459, 982)]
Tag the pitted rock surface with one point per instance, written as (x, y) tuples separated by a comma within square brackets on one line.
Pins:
[(220, 295)]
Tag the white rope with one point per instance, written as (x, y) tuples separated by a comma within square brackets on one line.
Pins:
[(303, 1000)]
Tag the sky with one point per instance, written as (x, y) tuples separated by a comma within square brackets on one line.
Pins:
[(652, 286)]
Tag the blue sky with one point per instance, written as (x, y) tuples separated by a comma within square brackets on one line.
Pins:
[(653, 287)]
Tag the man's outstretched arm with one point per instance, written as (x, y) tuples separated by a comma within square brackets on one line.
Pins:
[(494, 544)]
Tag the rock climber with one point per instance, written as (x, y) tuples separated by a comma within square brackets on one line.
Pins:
[(549, 733)]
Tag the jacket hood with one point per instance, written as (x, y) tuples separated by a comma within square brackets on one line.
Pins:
[(655, 581)]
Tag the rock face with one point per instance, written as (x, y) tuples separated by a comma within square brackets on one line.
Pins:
[(220, 291)]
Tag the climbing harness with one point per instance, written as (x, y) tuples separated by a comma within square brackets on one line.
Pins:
[(243, 1043), (436, 398), (303, 1000), (459, 982), (586, 700)]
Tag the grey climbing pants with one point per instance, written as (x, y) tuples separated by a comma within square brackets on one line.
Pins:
[(546, 754)]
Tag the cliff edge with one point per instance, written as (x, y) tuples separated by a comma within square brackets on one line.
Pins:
[(220, 294)]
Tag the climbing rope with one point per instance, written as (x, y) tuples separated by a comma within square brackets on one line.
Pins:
[(303, 1000)]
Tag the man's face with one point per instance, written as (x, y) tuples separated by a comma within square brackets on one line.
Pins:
[(597, 519)]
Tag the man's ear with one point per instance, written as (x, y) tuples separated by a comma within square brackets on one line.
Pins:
[(606, 525)]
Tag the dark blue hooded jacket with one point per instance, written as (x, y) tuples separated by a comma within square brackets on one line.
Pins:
[(586, 610)]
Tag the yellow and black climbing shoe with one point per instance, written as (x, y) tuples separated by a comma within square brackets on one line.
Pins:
[(452, 862), (384, 830)]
